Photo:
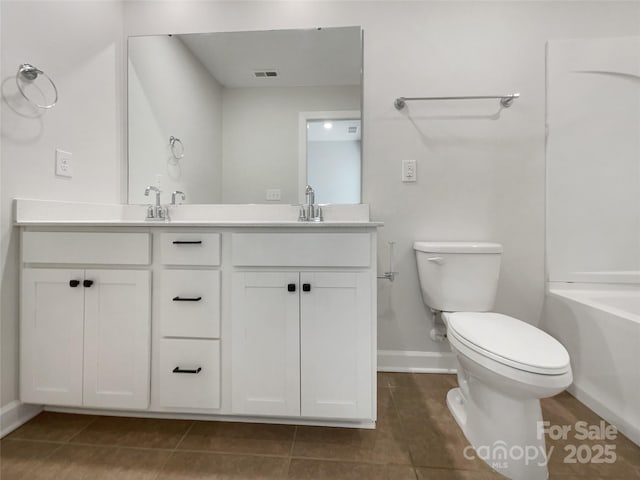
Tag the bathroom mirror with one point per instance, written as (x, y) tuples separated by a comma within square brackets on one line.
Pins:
[(246, 117)]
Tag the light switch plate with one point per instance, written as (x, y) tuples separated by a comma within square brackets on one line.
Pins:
[(64, 163), (409, 173)]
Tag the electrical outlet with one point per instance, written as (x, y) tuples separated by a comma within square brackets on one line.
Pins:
[(409, 173), (273, 195), (63, 163)]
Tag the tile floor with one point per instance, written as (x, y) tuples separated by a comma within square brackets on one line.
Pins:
[(416, 439)]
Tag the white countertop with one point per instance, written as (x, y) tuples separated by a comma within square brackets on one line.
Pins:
[(29, 212)]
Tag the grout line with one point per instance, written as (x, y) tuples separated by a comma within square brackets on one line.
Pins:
[(405, 442), (173, 450), (290, 458), (91, 422), (184, 435)]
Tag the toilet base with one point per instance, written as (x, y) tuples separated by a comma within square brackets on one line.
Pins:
[(503, 431)]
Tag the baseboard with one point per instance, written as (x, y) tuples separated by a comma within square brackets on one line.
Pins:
[(416, 361), (623, 426), (363, 424), (15, 414)]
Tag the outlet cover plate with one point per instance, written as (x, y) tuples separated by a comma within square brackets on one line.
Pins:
[(273, 194), (409, 173), (64, 163)]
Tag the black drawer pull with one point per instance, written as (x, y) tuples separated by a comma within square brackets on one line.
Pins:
[(179, 370), (74, 283), (187, 242), (306, 287), (187, 299), (87, 283), (291, 287)]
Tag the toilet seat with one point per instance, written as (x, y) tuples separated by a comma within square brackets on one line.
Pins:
[(508, 341)]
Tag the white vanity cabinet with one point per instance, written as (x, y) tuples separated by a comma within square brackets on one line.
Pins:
[(85, 333), (187, 306), (303, 337), (242, 321)]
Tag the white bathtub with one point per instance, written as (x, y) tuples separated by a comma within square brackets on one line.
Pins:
[(600, 327)]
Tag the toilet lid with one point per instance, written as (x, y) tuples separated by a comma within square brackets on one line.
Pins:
[(509, 341)]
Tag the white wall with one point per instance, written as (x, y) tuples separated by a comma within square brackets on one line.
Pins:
[(172, 94), (477, 178), (80, 46), (593, 160), (260, 137)]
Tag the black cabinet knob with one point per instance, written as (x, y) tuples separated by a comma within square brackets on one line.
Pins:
[(87, 283), (291, 287), (306, 287), (74, 283)]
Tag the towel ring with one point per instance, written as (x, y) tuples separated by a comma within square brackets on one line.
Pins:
[(29, 73), (173, 141)]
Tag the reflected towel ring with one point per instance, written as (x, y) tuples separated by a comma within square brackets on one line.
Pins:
[(29, 73), (173, 141)]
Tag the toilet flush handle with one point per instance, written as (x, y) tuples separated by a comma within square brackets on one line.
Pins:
[(438, 260)]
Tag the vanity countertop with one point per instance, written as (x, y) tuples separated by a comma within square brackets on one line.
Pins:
[(47, 213)]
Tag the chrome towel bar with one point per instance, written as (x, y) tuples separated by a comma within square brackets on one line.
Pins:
[(505, 100)]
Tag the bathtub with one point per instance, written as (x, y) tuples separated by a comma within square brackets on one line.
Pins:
[(599, 325)]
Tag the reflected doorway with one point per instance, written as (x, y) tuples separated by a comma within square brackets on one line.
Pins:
[(330, 156)]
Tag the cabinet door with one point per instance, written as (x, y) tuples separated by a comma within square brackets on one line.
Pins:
[(265, 343), (51, 330), (336, 345), (117, 339)]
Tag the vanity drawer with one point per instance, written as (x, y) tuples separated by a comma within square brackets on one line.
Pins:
[(189, 373), (87, 248), (190, 248), (301, 249), (189, 303)]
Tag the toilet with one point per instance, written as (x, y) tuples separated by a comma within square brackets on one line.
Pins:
[(505, 366)]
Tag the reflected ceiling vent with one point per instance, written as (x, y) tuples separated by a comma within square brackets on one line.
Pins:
[(353, 129), (271, 73)]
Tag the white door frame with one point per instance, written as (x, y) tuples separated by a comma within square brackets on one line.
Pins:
[(303, 118)]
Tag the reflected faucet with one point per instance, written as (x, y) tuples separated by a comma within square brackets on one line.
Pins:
[(173, 196), (310, 212), (155, 212), (310, 195)]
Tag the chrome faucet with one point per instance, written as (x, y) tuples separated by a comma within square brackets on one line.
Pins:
[(157, 211), (310, 195), (173, 196), (310, 212)]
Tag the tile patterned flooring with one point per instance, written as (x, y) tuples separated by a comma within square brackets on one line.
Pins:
[(416, 439)]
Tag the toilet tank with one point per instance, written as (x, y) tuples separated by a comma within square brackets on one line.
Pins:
[(458, 276)]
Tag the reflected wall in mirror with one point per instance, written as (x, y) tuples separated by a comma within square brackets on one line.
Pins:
[(246, 117)]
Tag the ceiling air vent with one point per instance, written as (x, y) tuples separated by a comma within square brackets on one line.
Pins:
[(353, 129), (265, 73)]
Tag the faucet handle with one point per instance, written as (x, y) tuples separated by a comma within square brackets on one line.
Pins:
[(173, 196)]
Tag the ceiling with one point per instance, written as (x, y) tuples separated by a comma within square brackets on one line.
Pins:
[(313, 57)]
